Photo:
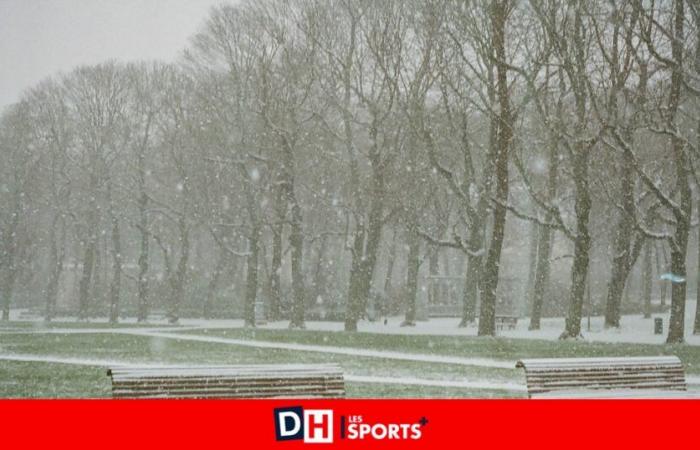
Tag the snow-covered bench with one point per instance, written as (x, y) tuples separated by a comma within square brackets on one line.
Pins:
[(643, 377), (252, 381)]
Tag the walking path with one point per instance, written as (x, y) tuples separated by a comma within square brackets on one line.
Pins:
[(350, 351)]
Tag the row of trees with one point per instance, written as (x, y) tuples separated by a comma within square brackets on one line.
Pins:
[(299, 135)]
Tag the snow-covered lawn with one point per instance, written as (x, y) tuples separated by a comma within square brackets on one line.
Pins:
[(633, 329), (330, 349), (428, 360), (480, 384)]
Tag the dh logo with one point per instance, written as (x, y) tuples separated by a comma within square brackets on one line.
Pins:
[(314, 426)]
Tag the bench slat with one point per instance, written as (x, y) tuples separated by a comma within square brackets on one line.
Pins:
[(247, 381), (574, 374)]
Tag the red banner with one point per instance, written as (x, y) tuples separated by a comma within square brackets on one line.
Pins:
[(386, 424)]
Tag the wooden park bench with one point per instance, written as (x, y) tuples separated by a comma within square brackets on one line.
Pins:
[(506, 322), (660, 376), (252, 381)]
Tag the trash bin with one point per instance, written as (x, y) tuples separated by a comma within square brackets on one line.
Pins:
[(658, 325)]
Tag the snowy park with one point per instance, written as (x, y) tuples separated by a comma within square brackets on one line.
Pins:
[(434, 359), (266, 198)]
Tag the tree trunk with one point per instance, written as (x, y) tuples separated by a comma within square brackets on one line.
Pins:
[(296, 240), (544, 254), (390, 266), (276, 263), (319, 276), (8, 283), (582, 245), (676, 325), (533, 243), (363, 272), (219, 268), (623, 259), (582, 195), (412, 268), (115, 286), (434, 294), (472, 274), (489, 281), (142, 280), (661, 269), (180, 275), (86, 278), (56, 261), (545, 237), (90, 253), (296, 235), (679, 242), (275, 273), (647, 284), (251, 286), (8, 259), (353, 309), (696, 323)]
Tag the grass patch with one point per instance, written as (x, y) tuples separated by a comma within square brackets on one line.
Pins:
[(47, 379), (465, 346), (57, 324), (146, 349), (19, 379)]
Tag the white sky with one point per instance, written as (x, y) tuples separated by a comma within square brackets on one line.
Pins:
[(41, 37)]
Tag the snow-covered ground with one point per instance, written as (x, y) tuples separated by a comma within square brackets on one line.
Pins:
[(633, 329), (479, 384), (350, 351)]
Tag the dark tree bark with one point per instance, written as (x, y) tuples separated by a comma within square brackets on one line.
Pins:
[(533, 244), (364, 262), (627, 244), (434, 270), (544, 254), (412, 268), (115, 285), (8, 259), (545, 238), (473, 273), (219, 268), (90, 252), (647, 280), (276, 270), (296, 235), (390, 266), (582, 196), (319, 275), (57, 243), (679, 242), (296, 240), (626, 249), (489, 281), (696, 324), (251, 287), (143, 260), (178, 279)]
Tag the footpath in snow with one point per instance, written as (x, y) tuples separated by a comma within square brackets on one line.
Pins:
[(634, 328), (350, 351)]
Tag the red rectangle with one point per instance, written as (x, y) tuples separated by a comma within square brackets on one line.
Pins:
[(560, 424)]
